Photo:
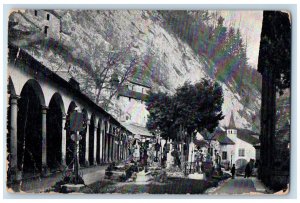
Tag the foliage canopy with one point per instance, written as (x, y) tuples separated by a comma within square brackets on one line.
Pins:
[(193, 107)]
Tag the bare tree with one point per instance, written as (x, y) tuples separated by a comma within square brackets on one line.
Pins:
[(112, 64)]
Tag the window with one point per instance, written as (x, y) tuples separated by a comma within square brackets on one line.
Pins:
[(46, 30), (241, 152), (35, 12), (224, 155), (48, 16)]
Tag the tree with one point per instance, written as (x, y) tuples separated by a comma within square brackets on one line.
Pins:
[(192, 107), (275, 48), (161, 114), (199, 106), (109, 63)]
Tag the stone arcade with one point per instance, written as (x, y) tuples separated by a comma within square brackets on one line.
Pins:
[(38, 139)]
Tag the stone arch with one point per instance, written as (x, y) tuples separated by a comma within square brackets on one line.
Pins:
[(58, 99), (37, 89), (54, 128), (69, 142), (29, 130)]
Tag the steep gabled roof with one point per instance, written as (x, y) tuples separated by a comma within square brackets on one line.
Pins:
[(218, 135), (201, 143), (247, 136), (223, 139)]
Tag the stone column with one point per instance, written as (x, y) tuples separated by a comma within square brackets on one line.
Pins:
[(44, 140), (112, 148), (100, 141), (107, 143), (95, 144), (107, 157), (103, 145), (87, 143), (125, 151), (106, 148), (13, 170), (122, 150), (118, 149), (63, 142)]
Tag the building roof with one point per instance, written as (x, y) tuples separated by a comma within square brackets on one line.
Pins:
[(231, 124), (247, 136), (218, 135), (132, 94), (44, 71), (53, 12), (64, 74), (137, 129), (141, 83), (222, 138), (201, 143), (141, 75)]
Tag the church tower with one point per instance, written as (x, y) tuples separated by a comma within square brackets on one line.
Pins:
[(231, 129)]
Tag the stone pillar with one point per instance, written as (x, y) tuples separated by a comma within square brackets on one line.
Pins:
[(13, 170), (103, 146), (118, 149), (126, 151), (106, 148), (112, 148), (63, 142), (107, 143), (44, 140), (100, 142), (95, 144), (87, 143), (122, 150)]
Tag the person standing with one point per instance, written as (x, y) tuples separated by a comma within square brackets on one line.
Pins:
[(233, 171), (247, 170)]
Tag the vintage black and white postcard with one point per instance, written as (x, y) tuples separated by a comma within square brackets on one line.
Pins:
[(148, 101)]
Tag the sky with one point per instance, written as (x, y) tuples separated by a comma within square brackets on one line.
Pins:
[(250, 23)]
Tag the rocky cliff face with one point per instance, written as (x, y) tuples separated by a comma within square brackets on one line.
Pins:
[(167, 62)]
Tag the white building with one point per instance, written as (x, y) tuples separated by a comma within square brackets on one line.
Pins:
[(131, 101), (234, 145)]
